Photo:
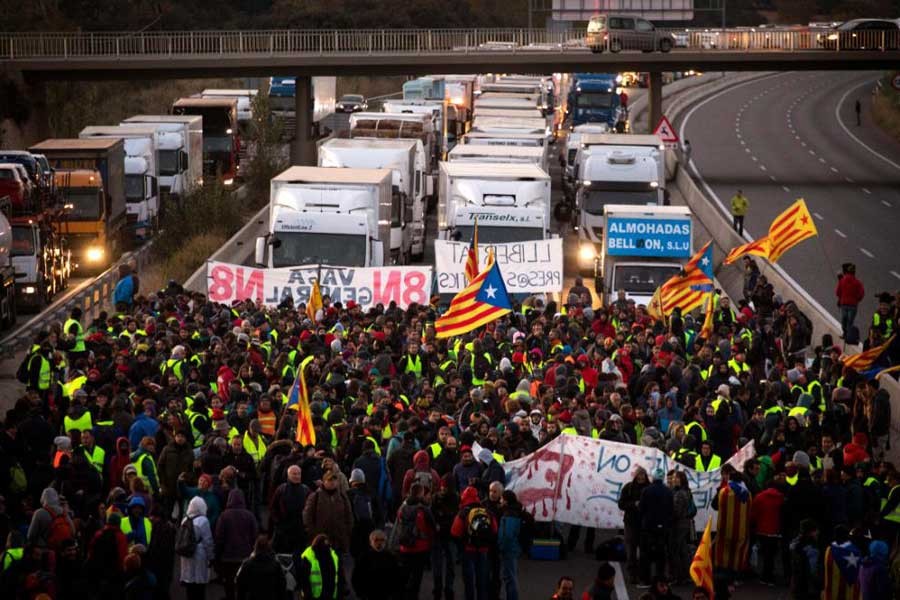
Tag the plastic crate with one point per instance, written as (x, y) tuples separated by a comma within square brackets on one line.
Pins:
[(544, 549)]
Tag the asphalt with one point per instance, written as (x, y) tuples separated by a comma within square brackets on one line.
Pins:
[(794, 135)]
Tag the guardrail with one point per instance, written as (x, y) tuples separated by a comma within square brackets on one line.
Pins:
[(78, 45), (92, 296)]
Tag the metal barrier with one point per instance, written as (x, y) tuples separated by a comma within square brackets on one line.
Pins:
[(91, 296), (71, 45)]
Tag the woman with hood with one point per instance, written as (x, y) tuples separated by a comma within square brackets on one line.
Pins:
[(874, 577), (235, 536), (195, 569), (47, 528), (117, 464), (421, 473)]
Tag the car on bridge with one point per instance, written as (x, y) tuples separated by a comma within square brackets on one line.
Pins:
[(351, 103), (863, 34), (617, 32)]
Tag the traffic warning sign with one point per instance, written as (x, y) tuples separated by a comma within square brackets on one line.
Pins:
[(665, 132)]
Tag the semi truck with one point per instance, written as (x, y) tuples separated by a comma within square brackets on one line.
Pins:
[(141, 175), (407, 233), (500, 154), (93, 233), (221, 136), (643, 247), (179, 152), (402, 125), (107, 157), (569, 152), (7, 270), (614, 169), (594, 98), (41, 257), (510, 202), (325, 216)]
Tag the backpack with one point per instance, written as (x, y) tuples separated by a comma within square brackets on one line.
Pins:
[(404, 532), (478, 527), (362, 508), (18, 481), (24, 366), (186, 539), (60, 530), (424, 479)]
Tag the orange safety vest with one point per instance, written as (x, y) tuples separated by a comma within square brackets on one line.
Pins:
[(267, 422)]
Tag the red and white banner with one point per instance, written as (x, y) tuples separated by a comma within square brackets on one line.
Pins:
[(578, 480), (226, 282)]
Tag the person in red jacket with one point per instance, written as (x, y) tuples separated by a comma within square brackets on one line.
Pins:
[(476, 528), (849, 292), (765, 518), (416, 530)]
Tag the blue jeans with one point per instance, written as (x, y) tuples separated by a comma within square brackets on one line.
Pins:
[(848, 316), (509, 573), (475, 575), (443, 564)]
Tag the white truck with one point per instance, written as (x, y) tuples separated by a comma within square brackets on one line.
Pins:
[(180, 151), (402, 125), (407, 219), (643, 247), (511, 202), (500, 154), (510, 124), (569, 152), (141, 174), (338, 217), (614, 169)]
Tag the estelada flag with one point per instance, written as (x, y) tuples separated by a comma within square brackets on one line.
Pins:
[(842, 563), (758, 247), (864, 360), (702, 566), (472, 255), (685, 290), (789, 229), (484, 300), (298, 400), (314, 304), (732, 545), (707, 329)]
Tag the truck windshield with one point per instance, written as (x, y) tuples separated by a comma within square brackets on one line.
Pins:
[(214, 143), (501, 235), (593, 201), (85, 205), (319, 248), (134, 187), (642, 279), (594, 100), (23, 241), (168, 162)]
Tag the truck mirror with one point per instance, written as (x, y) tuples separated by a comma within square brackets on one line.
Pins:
[(182, 161), (153, 187), (260, 254)]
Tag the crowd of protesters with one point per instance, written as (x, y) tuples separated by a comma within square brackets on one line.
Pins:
[(156, 446)]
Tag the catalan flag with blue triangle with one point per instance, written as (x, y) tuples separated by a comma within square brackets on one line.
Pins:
[(482, 301), (298, 400), (842, 563), (685, 290)]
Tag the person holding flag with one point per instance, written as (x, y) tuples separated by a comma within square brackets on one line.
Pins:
[(685, 290), (484, 300), (702, 565), (298, 400), (314, 304)]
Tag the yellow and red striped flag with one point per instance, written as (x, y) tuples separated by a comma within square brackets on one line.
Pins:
[(314, 304), (758, 247), (732, 545), (842, 562), (702, 566), (789, 229), (298, 400), (685, 290), (654, 308), (707, 329), (482, 301), (864, 360), (472, 255)]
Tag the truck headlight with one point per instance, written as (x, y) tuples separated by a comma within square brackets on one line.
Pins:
[(29, 289), (94, 254), (654, 184), (228, 181), (587, 252)]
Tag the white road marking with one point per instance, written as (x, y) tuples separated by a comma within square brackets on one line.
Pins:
[(743, 143), (786, 188), (848, 179), (772, 177), (867, 253), (833, 169), (818, 216), (886, 203), (895, 274), (762, 167), (837, 114), (840, 233), (813, 152), (747, 150), (797, 137), (821, 160), (754, 159), (803, 144), (866, 191)]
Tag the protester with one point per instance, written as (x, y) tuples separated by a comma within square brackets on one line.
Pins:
[(260, 577), (195, 567)]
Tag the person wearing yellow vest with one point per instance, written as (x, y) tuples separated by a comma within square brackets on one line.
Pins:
[(94, 454), (320, 571), (74, 333), (890, 509), (738, 364), (253, 442), (78, 418), (143, 462), (40, 368), (76, 381), (137, 528), (696, 429), (175, 365), (413, 362), (706, 460)]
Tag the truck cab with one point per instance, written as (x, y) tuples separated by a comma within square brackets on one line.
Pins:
[(643, 248), (179, 151), (570, 152), (41, 258), (221, 136), (614, 169), (594, 98), (84, 220)]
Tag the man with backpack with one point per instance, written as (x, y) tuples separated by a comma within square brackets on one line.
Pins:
[(477, 530), (421, 473), (365, 513), (514, 537), (413, 536), (51, 524)]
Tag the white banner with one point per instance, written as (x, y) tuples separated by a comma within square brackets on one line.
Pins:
[(578, 480), (366, 286), (527, 267)]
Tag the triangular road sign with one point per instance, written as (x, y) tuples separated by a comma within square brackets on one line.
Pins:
[(665, 131)]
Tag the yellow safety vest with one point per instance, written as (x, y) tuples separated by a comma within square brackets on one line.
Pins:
[(573, 431), (126, 527), (715, 462), (414, 365), (10, 556), (436, 450), (498, 457), (192, 418), (894, 515), (44, 374), (798, 411), (690, 427), (737, 367), (315, 572), (79, 335), (73, 386), (256, 450), (97, 457), (139, 467), (82, 423), (175, 365), (475, 379)]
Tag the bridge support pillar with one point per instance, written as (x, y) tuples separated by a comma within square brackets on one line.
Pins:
[(303, 148), (655, 89)]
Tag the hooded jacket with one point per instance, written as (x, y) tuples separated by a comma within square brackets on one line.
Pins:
[(329, 512), (874, 577), (195, 569), (468, 501), (173, 461), (421, 464), (236, 529), (39, 528), (117, 464)]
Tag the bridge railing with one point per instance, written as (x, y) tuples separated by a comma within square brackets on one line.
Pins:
[(418, 41)]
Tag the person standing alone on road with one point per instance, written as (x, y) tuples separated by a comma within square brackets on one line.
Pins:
[(849, 292), (739, 205)]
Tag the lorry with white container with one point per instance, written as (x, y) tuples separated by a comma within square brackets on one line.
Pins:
[(509, 201), (179, 152), (500, 154), (569, 152), (335, 217), (643, 247), (141, 174), (614, 169), (408, 204)]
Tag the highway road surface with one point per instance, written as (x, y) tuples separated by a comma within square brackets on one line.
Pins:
[(795, 135)]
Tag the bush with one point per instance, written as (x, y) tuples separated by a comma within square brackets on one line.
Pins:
[(183, 262), (209, 210), (886, 109)]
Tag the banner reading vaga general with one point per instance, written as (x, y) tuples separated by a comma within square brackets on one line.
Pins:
[(366, 286), (527, 267), (578, 480)]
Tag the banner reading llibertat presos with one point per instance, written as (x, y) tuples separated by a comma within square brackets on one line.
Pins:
[(578, 480), (532, 266), (367, 287)]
